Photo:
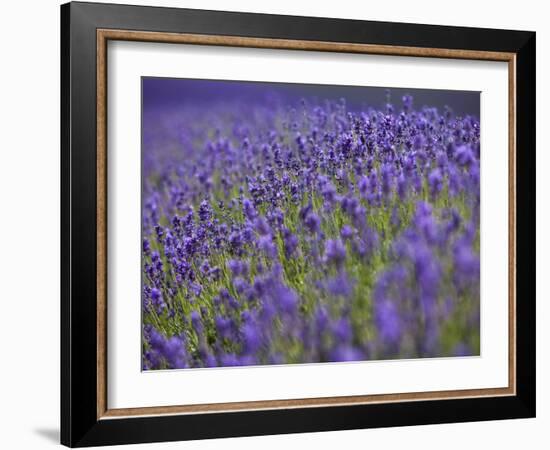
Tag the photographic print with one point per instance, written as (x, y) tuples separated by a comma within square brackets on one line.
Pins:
[(299, 223), (312, 205)]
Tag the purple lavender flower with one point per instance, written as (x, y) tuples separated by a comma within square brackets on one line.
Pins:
[(335, 252), (205, 212), (435, 181), (312, 222), (388, 322), (249, 210), (464, 155), (266, 245), (262, 226), (291, 243), (346, 232), (252, 338)]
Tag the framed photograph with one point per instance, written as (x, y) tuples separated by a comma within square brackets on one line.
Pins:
[(276, 224)]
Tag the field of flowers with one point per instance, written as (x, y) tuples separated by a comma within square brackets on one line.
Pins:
[(309, 232)]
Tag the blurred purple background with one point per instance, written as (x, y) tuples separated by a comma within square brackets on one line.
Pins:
[(173, 92)]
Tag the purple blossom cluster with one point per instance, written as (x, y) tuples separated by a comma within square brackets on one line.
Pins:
[(277, 234)]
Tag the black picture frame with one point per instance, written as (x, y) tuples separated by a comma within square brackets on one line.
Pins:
[(80, 425)]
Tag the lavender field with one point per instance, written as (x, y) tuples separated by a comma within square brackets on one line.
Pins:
[(294, 226)]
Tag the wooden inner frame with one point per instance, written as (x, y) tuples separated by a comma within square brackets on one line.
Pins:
[(104, 35)]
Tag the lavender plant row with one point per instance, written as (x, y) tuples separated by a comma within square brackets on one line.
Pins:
[(279, 235)]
